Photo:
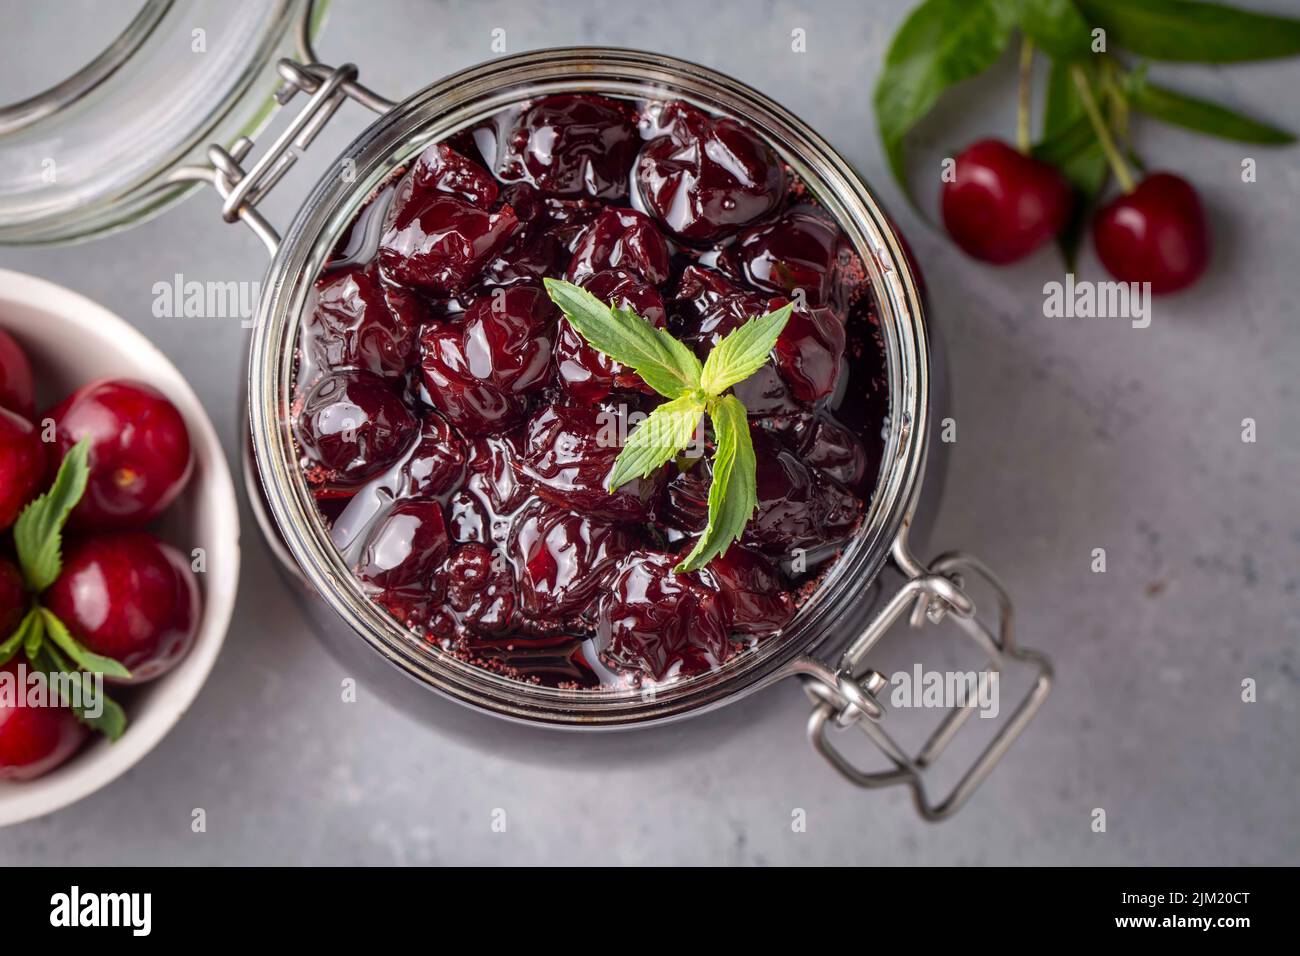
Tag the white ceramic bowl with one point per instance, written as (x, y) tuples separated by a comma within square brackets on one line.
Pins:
[(71, 341)]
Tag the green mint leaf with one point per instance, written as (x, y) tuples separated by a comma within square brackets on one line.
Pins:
[(111, 721), (743, 351), (941, 43), (1054, 25), (663, 363), (16, 641), (1202, 116), (84, 659), (1192, 32), (38, 532), (34, 639), (733, 495), (657, 440)]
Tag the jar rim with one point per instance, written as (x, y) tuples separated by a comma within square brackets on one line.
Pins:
[(455, 103)]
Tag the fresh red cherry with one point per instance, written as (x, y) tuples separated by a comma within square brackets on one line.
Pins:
[(659, 623), (707, 176), (589, 375), (438, 241), (360, 321), (406, 545), (352, 426), (129, 597), (563, 558), (1157, 233), (1001, 205), (570, 451), (16, 392), (479, 371), (621, 239), (33, 739), (572, 145), (22, 465), (13, 599), (140, 457)]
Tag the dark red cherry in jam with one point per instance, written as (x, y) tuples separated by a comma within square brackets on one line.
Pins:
[(406, 545), (1000, 205), (659, 623), (481, 589), (563, 558), (22, 465), (572, 145), (707, 176), (753, 589), (808, 355), (438, 241), (569, 451), (1157, 233), (351, 427), (442, 169), (621, 239), (480, 369), (33, 740), (140, 458), (804, 250), (586, 374), (359, 321), (16, 393), (130, 597)]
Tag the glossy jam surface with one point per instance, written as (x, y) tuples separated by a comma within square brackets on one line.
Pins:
[(458, 433)]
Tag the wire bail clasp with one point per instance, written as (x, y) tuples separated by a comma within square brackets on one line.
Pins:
[(930, 594)]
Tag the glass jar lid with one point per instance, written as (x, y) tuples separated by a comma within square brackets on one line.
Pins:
[(94, 152)]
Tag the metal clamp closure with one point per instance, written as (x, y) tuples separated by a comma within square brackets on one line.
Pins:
[(930, 593), (241, 190)]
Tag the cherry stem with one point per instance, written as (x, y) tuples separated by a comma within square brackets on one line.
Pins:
[(1022, 105), (1113, 157)]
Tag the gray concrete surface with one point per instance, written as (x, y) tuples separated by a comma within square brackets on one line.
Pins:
[(1072, 435)]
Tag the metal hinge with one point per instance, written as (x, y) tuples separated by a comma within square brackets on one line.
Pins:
[(242, 189)]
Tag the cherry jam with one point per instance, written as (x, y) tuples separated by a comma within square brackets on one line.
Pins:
[(458, 433)]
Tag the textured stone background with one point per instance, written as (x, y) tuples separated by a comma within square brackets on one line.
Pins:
[(1072, 435)]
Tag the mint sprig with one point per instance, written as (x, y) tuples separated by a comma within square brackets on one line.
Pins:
[(672, 369), (41, 636), (38, 532)]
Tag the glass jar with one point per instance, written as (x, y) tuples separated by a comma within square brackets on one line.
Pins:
[(826, 643)]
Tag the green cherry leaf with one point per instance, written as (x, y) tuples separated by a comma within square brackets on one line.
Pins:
[(1054, 25), (942, 42), (1202, 116), (657, 440), (83, 658), (733, 495), (1191, 31), (743, 351), (663, 363), (38, 532)]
